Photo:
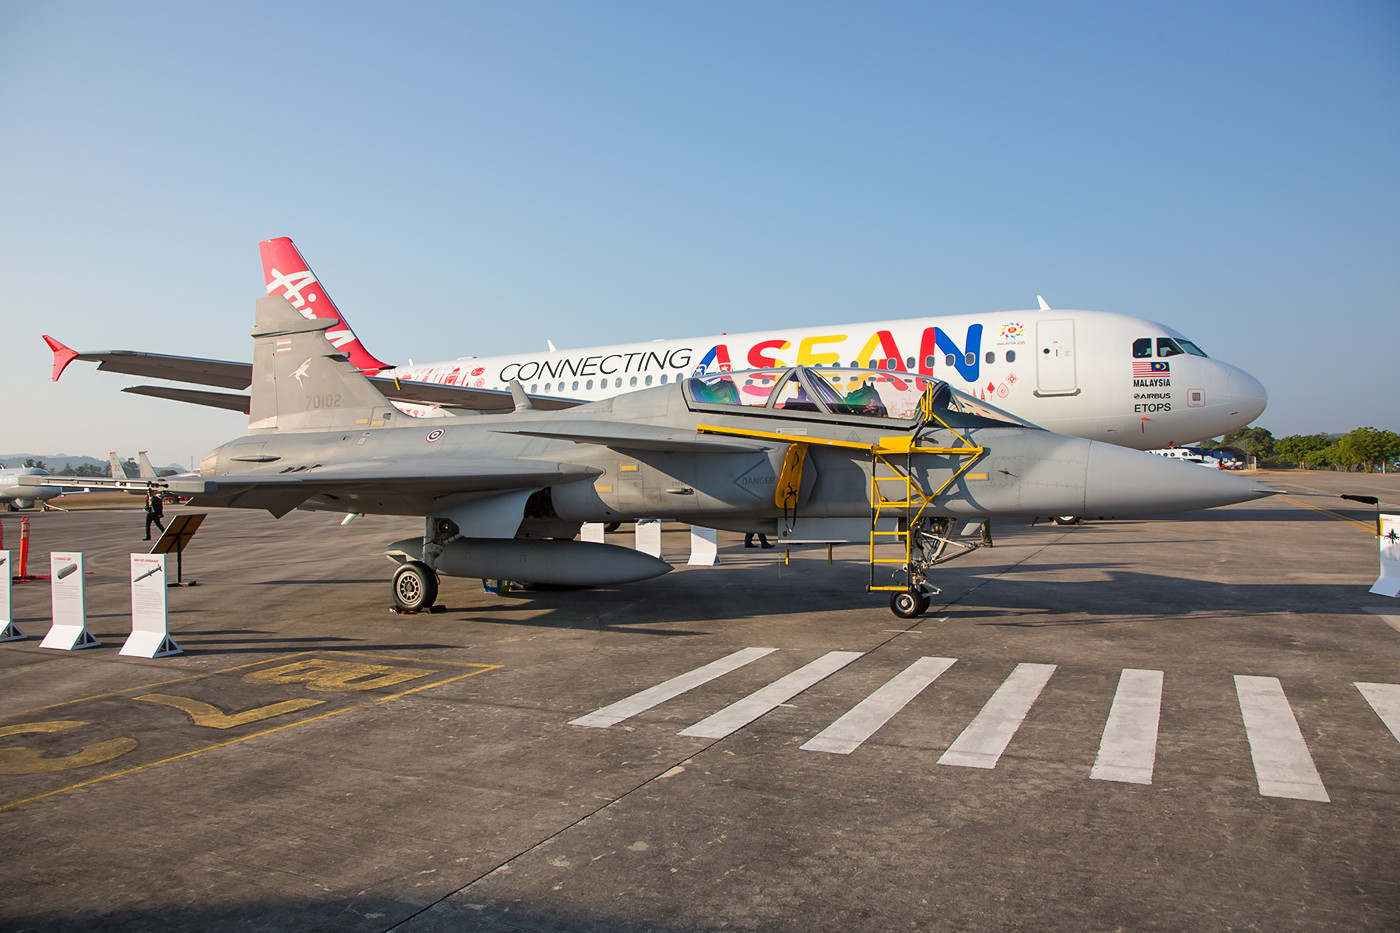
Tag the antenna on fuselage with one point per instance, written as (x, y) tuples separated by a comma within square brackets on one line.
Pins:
[(1044, 306)]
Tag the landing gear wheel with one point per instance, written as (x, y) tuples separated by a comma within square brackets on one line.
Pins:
[(415, 587), (1068, 519), (908, 604)]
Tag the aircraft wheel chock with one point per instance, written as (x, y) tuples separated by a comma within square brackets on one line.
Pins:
[(415, 586), (908, 604)]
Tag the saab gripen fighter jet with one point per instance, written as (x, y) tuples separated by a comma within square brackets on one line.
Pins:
[(806, 454)]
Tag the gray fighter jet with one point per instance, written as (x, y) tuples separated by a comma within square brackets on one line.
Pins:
[(805, 454)]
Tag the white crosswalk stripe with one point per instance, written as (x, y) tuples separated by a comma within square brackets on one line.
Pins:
[(983, 741), (655, 696), (846, 734), (1385, 700), (1282, 764), (739, 714), (1127, 753), (1129, 746)]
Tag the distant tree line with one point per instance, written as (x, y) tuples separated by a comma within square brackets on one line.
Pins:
[(129, 467), (1365, 449)]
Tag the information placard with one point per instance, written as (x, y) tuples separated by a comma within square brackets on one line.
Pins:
[(8, 630), (150, 620), (69, 629), (1388, 583)]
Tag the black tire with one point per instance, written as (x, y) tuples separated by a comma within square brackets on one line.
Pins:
[(908, 604), (415, 587), (610, 527), (1068, 519)]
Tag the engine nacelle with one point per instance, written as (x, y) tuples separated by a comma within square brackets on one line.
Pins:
[(536, 560)]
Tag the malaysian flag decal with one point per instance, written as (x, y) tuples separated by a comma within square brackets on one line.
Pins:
[(1151, 369)]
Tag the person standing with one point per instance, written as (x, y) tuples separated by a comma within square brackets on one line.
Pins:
[(763, 538), (155, 510)]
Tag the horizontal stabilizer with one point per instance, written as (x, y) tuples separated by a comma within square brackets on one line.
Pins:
[(225, 400), (623, 436)]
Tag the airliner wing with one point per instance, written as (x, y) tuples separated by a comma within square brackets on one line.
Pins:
[(226, 374)]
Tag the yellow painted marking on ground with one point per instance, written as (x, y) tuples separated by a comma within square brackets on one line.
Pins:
[(328, 674), (158, 683), (481, 669), (24, 760), (1369, 526), (207, 714)]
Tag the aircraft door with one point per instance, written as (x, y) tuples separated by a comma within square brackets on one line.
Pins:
[(1054, 368)]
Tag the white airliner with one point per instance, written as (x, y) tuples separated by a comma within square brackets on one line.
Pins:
[(1094, 374)]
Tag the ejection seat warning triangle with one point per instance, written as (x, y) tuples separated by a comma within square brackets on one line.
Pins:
[(150, 629), (69, 630), (8, 630)]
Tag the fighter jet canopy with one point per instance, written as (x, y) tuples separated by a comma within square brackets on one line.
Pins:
[(843, 394)]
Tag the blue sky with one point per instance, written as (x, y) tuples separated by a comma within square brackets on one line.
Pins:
[(474, 178)]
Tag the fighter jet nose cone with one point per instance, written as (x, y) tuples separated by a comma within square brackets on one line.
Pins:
[(1247, 395), (1120, 481)]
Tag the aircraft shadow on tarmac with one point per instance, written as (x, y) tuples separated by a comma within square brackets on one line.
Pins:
[(368, 913)]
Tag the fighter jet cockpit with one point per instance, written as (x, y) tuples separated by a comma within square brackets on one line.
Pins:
[(857, 395)]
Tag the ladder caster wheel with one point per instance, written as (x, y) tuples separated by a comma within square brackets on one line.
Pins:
[(908, 604)]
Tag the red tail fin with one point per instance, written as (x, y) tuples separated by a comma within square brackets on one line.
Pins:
[(288, 275)]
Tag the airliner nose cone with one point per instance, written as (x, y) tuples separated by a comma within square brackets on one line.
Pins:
[(1247, 396), (1120, 481)]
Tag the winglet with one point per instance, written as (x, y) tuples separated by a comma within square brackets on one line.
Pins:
[(1044, 306), (522, 401), (62, 356)]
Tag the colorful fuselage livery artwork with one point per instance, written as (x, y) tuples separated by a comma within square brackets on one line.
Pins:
[(1094, 374)]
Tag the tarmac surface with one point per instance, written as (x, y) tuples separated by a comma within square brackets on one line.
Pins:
[(1147, 724)]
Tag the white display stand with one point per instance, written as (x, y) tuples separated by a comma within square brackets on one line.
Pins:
[(649, 537), (1388, 583), (8, 630), (592, 531), (69, 630), (150, 621), (704, 547)]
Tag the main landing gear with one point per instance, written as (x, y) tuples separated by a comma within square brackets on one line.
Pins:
[(415, 587)]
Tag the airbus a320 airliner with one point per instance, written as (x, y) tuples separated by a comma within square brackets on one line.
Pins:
[(1093, 374)]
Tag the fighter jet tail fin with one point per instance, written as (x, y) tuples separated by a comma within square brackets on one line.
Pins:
[(301, 382)]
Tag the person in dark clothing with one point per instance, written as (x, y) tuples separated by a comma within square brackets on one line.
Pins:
[(155, 510), (763, 539)]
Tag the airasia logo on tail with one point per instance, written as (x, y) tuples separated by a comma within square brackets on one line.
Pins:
[(296, 286)]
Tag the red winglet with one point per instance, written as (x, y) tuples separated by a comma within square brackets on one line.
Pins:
[(62, 356)]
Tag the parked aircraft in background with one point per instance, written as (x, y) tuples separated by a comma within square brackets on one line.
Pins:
[(1092, 374), (790, 450), (17, 496)]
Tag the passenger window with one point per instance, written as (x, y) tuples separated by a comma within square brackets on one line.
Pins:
[(634, 380), (1166, 346), (1142, 348), (663, 378), (589, 384), (911, 364), (930, 360), (991, 357), (575, 385), (949, 359), (970, 359), (1010, 356)]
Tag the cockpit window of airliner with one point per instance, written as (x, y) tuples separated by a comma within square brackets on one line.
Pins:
[(1190, 347), (1142, 348)]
